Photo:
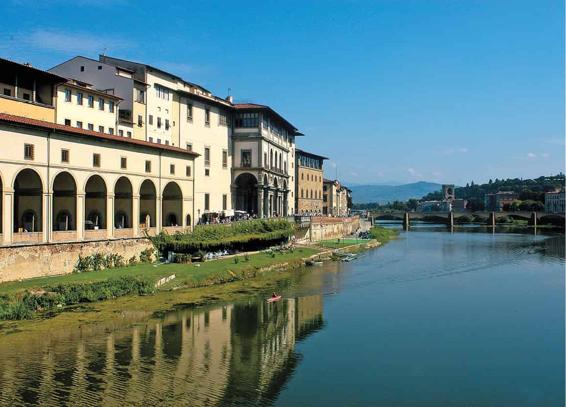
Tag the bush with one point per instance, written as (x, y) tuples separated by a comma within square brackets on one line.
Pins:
[(24, 305), (147, 255), (242, 235)]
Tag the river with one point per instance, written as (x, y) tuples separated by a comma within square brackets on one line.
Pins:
[(433, 318)]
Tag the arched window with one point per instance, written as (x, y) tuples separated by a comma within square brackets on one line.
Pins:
[(63, 220), (121, 220), (188, 219), (270, 158)]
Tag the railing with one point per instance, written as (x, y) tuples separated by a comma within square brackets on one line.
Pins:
[(64, 235), (27, 237), (97, 234), (124, 233)]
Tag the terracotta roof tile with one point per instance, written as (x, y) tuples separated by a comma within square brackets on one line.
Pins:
[(89, 133)]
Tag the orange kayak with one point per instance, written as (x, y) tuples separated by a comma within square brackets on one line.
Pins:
[(273, 299)]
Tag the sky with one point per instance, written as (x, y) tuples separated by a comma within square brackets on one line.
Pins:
[(392, 91)]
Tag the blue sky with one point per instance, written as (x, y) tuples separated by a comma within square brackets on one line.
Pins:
[(390, 90)]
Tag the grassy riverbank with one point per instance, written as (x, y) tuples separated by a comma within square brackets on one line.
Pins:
[(21, 299), (24, 299)]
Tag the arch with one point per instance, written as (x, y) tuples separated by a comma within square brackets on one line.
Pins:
[(64, 202), (123, 203), (246, 193), (280, 159), (28, 201), (95, 203), (270, 158), (188, 220), (172, 205), (148, 204)]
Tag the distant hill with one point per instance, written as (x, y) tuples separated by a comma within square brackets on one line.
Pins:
[(389, 193)]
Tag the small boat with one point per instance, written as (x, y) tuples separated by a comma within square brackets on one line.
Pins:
[(349, 257), (273, 299)]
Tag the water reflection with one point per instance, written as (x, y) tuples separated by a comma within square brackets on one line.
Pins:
[(223, 355)]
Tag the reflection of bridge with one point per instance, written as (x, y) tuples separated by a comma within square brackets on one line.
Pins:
[(452, 218)]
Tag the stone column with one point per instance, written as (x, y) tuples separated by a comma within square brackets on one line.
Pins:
[(7, 216), (80, 216), (47, 217), (158, 209), (110, 216), (135, 214), (260, 201)]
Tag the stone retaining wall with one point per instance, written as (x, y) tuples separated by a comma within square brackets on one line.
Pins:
[(323, 228), (23, 262)]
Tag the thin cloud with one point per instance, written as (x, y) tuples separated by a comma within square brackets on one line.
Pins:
[(531, 155), (72, 42), (414, 173), (455, 150)]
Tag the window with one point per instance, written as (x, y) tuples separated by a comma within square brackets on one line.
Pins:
[(207, 172), (189, 112), (67, 95), (189, 147), (121, 133), (151, 139), (96, 160), (159, 122), (188, 171), (100, 67), (140, 120), (129, 134), (224, 202), (264, 159), (123, 163), (67, 122), (90, 101), (158, 141), (222, 119), (166, 142), (148, 166), (79, 98), (207, 156), (151, 119), (90, 126), (26, 96), (162, 93), (79, 124), (7, 92), (28, 151), (207, 116), (206, 202), (172, 169), (166, 124), (224, 158), (101, 129), (100, 103), (247, 120), (110, 130), (82, 68), (111, 106), (140, 96), (246, 159)]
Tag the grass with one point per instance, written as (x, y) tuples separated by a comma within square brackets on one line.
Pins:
[(382, 235), (19, 300), (339, 243)]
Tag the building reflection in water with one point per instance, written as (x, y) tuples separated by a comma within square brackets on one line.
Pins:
[(217, 356)]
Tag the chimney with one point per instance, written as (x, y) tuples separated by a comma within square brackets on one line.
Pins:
[(230, 99)]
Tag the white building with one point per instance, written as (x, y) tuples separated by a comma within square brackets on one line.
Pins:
[(554, 202)]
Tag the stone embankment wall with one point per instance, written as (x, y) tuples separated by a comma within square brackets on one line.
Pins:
[(23, 262), (323, 228)]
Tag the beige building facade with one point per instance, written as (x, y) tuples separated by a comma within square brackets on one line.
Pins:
[(336, 198), (62, 184), (309, 183)]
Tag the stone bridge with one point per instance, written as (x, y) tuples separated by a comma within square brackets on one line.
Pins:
[(451, 218)]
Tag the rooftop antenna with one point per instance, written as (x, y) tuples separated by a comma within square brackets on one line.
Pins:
[(104, 51), (229, 91)]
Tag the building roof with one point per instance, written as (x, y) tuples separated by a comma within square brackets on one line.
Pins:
[(103, 58), (6, 65), (24, 121), (255, 106), (303, 152)]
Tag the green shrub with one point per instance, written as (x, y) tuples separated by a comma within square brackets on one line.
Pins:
[(147, 255), (214, 237)]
